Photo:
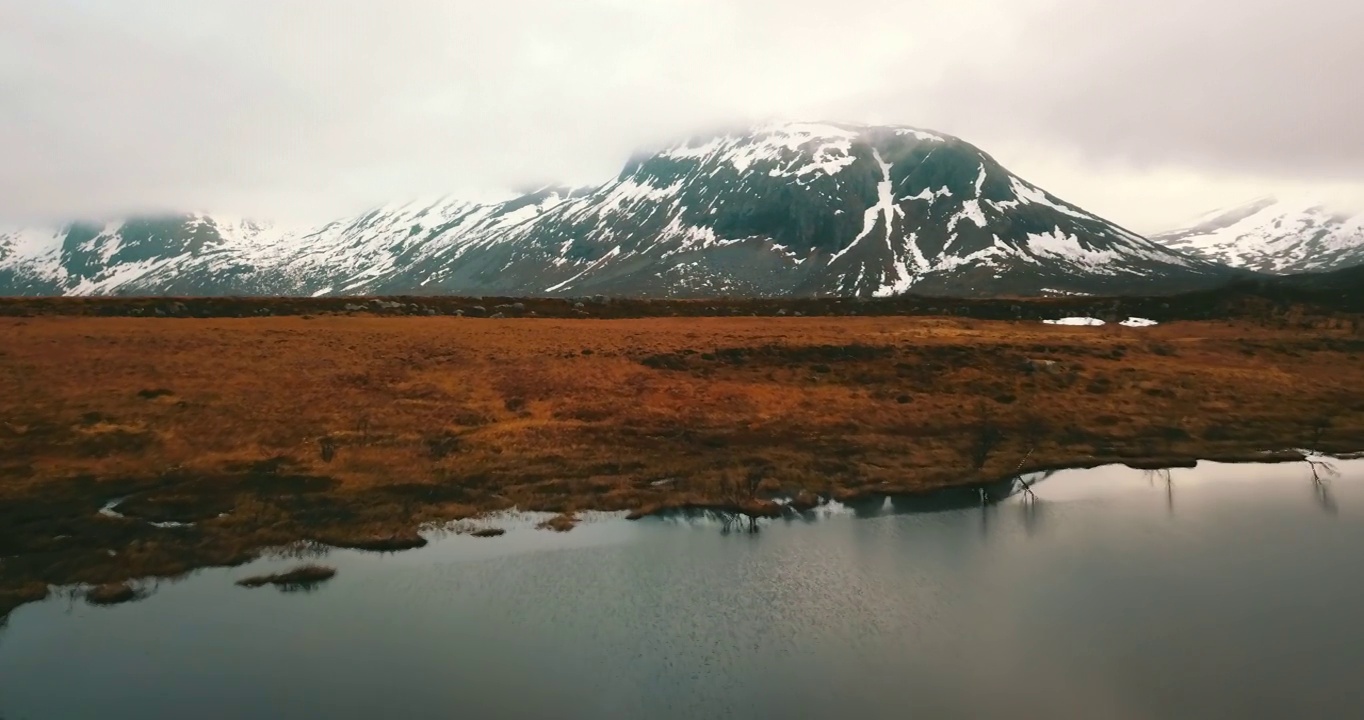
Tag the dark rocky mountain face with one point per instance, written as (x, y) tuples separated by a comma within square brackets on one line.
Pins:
[(790, 209)]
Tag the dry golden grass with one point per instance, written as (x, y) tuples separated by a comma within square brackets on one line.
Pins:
[(354, 430)]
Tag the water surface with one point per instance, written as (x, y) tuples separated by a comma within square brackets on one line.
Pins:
[(1228, 591)]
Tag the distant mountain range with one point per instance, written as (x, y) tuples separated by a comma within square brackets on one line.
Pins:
[(793, 209), (1275, 237)]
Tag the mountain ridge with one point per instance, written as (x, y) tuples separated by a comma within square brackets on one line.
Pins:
[(779, 209), (1274, 236)]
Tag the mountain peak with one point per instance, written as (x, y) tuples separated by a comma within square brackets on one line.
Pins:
[(1294, 235)]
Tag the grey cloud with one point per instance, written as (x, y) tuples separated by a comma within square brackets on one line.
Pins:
[(1254, 86), (298, 109)]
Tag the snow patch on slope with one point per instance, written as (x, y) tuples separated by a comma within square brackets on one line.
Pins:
[(1280, 237), (1067, 247), (1026, 194), (36, 252), (593, 266), (790, 149), (884, 210), (970, 210)]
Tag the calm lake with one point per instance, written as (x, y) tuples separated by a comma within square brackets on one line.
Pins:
[(1230, 591)]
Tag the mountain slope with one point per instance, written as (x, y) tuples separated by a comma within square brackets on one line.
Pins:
[(184, 255), (810, 209), (786, 209), (1273, 236)]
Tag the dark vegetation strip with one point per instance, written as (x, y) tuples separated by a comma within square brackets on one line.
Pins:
[(1340, 291)]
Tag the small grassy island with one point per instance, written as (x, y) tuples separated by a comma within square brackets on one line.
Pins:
[(111, 594), (299, 578)]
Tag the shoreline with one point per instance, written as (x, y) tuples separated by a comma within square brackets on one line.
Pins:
[(971, 488), (946, 497)]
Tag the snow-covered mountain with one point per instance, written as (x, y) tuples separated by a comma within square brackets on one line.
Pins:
[(784, 209), (1273, 236)]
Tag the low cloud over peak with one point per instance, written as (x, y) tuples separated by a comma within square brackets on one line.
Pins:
[(1145, 113)]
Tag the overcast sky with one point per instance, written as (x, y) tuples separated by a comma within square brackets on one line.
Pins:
[(1147, 113)]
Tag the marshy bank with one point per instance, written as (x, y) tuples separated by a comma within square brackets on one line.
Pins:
[(205, 441)]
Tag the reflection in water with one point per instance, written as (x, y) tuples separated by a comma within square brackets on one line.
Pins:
[(867, 507), (950, 499), (1163, 476), (1323, 469), (1033, 513), (736, 522), (306, 587), (1325, 499), (1079, 602), (1169, 494)]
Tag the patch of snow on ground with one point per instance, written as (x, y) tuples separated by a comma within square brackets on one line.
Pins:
[(108, 509), (1076, 321), (1054, 291), (1137, 322)]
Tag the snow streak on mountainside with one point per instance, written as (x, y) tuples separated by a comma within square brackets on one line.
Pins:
[(1273, 236), (786, 209)]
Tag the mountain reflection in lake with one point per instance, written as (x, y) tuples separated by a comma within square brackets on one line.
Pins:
[(1220, 591)]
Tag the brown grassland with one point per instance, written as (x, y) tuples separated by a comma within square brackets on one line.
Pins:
[(239, 434)]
